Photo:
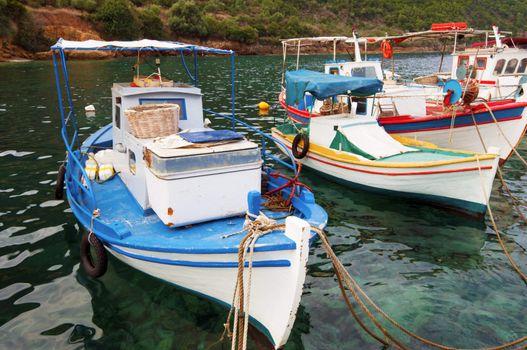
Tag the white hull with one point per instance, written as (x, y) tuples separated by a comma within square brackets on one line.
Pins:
[(467, 138), (455, 185), (275, 291)]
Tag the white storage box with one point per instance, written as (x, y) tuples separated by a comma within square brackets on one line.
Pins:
[(192, 185)]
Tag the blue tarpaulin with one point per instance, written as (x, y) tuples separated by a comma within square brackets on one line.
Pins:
[(323, 85), (210, 136)]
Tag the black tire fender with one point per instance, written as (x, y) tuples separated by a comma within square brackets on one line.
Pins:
[(59, 185), (94, 268), (296, 141)]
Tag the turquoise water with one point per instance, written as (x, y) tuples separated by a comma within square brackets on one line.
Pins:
[(441, 275)]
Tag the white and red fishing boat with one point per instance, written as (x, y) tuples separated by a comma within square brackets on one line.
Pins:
[(438, 114), (354, 150)]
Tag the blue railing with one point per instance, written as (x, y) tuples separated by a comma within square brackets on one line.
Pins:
[(264, 137), (75, 158), (69, 123)]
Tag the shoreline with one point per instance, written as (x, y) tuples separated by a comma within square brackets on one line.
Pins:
[(19, 55)]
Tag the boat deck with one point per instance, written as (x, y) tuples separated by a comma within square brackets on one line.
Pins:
[(117, 205)]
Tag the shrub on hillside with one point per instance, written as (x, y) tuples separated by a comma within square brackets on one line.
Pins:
[(213, 6), (118, 19), (186, 18), (12, 9), (85, 5), (151, 25), (29, 36), (215, 28), (242, 33)]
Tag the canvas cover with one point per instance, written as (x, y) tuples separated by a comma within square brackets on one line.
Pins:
[(374, 143), (323, 85)]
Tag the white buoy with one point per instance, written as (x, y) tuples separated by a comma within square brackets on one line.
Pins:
[(105, 171), (90, 111), (91, 167)]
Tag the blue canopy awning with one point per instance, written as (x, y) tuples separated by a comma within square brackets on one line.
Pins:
[(323, 85)]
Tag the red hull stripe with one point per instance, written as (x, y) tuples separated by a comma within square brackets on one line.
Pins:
[(487, 167)]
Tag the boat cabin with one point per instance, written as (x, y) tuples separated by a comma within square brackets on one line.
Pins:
[(130, 148), (182, 176), (361, 69)]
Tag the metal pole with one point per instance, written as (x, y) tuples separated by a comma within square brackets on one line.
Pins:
[(298, 55), (284, 54), (442, 56), (195, 66), (232, 92), (57, 82)]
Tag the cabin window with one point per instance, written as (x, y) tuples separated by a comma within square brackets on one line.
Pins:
[(178, 101), (481, 63), (522, 66), (117, 116), (362, 105), (364, 72), (131, 162), (499, 67), (511, 66), (462, 61), (334, 70)]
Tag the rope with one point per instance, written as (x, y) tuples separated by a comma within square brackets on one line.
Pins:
[(291, 182), (95, 214), (262, 225), (256, 228), (495, 227), (503, 134)]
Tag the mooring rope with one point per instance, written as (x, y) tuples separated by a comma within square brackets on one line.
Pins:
[(262, 225), (515, 201), (503, 134)]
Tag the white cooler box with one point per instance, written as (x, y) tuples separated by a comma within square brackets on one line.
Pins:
[(192, 185)]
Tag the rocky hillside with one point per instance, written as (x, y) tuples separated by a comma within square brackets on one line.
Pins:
[(248, 26)]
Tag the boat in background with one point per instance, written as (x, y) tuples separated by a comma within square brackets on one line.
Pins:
[(354, 150), (437, 114), (181, 202)]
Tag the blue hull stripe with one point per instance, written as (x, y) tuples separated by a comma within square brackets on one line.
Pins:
[(440, 123), (201, 264), (460, 121)]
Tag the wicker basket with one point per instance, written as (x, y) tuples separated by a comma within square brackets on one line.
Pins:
[(153, 120), (427, 80)]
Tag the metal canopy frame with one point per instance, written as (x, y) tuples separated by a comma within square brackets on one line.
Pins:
[(69, 129)]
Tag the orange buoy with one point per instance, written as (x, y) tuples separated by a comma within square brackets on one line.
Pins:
[(386, 48)]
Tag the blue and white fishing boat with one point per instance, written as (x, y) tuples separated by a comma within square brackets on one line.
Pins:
[(179, 203)]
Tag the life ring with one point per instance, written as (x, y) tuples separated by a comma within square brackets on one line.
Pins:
[(386, 48), (59, 185), (296, 141), (94, 268)]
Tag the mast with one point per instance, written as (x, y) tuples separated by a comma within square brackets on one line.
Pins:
[(357, 48)]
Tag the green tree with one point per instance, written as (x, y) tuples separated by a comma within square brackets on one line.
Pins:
[(186, 18), (118, 19), (29, 36), (151, 25)]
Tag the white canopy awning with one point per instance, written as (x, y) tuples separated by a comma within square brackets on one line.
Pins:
[(318, 39), (135, 45)]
